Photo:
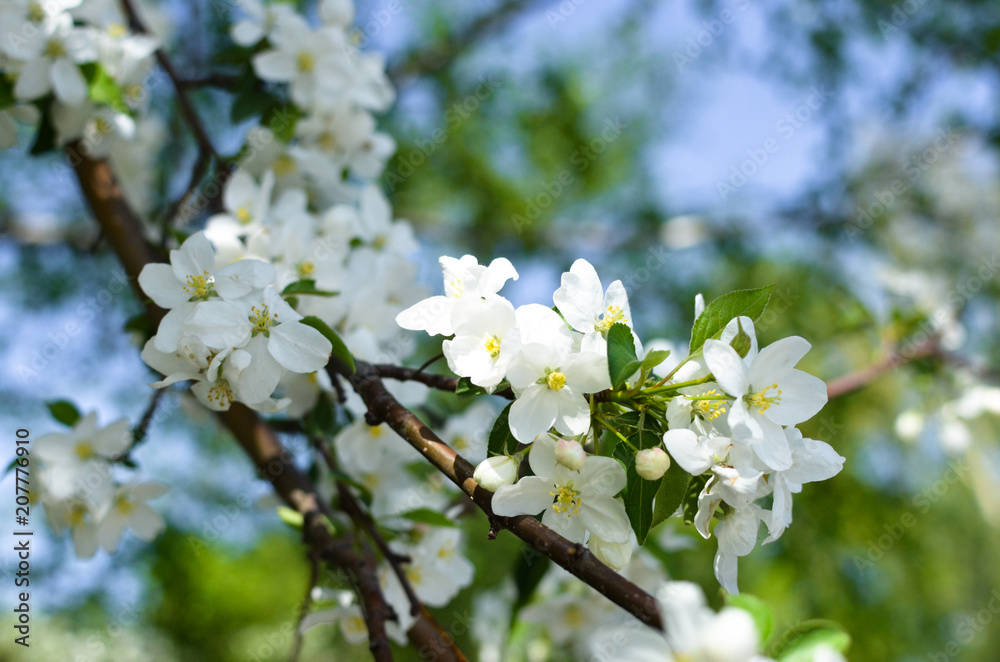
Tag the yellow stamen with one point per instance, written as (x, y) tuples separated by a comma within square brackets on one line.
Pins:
[(762, 401), (306, 62), (611, 316), (200, 287), (243, 214), (221, 393), (55, 49), (85, 450), (567, 500), (493, 346), (454, 289), (555, 380), (709, 410), (262, 320), (305, 269)]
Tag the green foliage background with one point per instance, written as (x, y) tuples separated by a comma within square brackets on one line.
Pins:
[(904, 600)]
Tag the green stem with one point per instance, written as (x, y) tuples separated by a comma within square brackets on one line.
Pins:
[(679, 385)]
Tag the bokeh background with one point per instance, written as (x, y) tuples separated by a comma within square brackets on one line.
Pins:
[(845, 151)]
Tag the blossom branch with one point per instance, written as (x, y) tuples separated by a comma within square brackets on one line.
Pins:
[(574, 557), (123, 230)]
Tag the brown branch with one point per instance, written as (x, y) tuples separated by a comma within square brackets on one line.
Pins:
[(362, 520), (306, 606), (124, 232), (434, 380), (574, 557), (857, 380)]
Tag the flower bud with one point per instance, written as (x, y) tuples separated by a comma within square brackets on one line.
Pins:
[(570, 454), (615, 555), (652, 463), (497, 471)]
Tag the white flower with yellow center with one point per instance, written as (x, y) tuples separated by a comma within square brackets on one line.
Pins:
[(77, 461), (247, 204), (588, 308), (51, 53), (573, 502), (463, 278), (267, 329), (301, 56), (693, 632), (191, 278), (550, 384), (468, 433), (486, 340), (768, 392), (130, 511)]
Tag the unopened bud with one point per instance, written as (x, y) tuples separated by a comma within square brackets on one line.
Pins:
[(615, 555), (741, 343), (495, 472), (652, 463), (570, 454)]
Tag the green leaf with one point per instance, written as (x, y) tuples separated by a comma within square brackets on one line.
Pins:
[(45, 138), (64, 411), (673, 487), (466, 389), (6, 92), (501, 441), (251, 99), (321, 422), (694, 488), (799, 643), (139, 324), (339, 348), (306, 286), (292, 518), (622, 361), (528, 573), (428, 516), (104, 89), (721, 311), (763, 616), (654, 358), (281, 120), (639, 492)]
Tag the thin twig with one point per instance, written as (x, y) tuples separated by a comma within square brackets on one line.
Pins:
[(574, 557), (857, 380), (350, 505), (306, 605), (187, 108)]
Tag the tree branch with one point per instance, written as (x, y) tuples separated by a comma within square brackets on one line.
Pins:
[(574, 557), (124, 232), (858, 380)]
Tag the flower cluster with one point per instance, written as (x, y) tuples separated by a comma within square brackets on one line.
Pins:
[(80, 492), (726, 414), (76, 63), (335, 89)]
